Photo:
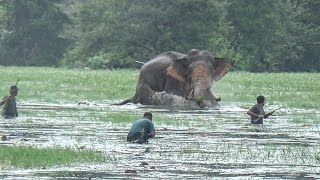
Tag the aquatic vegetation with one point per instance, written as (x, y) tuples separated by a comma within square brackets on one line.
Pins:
[(117, 117), (31, 157)]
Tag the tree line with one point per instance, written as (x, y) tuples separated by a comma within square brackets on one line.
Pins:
[(259, 36)]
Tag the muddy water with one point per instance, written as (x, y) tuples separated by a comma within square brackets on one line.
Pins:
[(202, 144)]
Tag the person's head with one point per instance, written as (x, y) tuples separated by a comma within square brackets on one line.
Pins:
[(14, 90), (147, 115), (260, 99)]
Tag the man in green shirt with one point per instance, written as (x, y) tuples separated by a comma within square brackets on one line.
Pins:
[(257, 112), (142, 129), (9, 104)]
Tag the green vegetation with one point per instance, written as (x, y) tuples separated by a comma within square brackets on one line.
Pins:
[(71, 86), (128, 118), (30, 157), (260, 36), (68, 86), (306, 119), (284, 89), (31, 33)]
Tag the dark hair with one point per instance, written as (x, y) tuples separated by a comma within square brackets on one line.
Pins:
[(260, 99), (148, 115), (14, 88)]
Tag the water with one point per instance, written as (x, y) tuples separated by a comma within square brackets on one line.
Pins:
[(201, 144)]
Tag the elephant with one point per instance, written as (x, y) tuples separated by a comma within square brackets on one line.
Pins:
[(190, 76)]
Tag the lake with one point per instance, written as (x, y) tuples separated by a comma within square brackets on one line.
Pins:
[(195, 144)]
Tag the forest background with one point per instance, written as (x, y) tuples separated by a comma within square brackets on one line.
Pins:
[(259, 36)]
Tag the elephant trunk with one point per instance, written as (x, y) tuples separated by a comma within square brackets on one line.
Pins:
[(205, 97), (201, 83)]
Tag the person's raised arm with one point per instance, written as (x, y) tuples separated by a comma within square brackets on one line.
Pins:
[(4, 100)]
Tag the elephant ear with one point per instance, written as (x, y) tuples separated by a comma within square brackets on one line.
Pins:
[(221, 67), (178, 69)]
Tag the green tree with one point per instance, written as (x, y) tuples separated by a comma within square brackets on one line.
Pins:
[(257, 38), (31, 31), (115, 33), (306, 29), (276, 35)]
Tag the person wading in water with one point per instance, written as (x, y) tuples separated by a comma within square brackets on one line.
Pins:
[(9, 103), (257, 112), (142, 129)]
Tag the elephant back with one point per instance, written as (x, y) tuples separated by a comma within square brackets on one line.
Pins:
[(171, 55), (154, 72), (162, 61)]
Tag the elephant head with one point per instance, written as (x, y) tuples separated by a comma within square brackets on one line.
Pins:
[(198, 70)]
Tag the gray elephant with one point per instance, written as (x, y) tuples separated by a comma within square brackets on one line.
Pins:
[(190, 76)]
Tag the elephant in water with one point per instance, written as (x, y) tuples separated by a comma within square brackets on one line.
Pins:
[(190, 76)]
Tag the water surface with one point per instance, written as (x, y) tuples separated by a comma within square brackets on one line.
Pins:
[(211, 143)]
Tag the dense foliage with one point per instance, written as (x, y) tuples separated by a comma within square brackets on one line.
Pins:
[(30, 32), (265, 35)]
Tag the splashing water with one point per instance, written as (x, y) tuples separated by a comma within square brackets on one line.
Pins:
[(174, 101)]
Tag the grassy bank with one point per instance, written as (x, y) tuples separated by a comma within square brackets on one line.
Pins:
[(65, 85), (30, 157), (287, 89)]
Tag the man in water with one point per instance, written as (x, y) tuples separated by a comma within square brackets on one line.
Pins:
[(142, 129), (9, 103), (257, 112)]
